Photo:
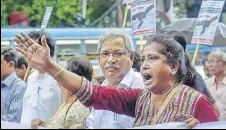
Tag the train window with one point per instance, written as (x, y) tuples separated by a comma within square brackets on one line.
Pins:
[(63, 42)]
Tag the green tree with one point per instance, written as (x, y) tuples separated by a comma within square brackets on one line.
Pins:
[(180, 9), (96, 9), (63, 10)]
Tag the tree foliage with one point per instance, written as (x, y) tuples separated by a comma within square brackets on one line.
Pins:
[(180, 8), (64, 11), (96, 8)]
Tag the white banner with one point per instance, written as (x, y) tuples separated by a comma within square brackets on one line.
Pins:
[(172, 125), (182, 125), (211, 125), (143, 13), (13, 125), (46, 17), (126, 2), (206, 24)]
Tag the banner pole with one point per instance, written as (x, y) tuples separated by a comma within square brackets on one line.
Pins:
[(141, 43), (195, 54), (125, 16), (26, 74)]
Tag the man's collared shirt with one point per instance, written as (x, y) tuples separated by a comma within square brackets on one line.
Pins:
[(108, 119), (219, 94), (42, 98), (12, 93)]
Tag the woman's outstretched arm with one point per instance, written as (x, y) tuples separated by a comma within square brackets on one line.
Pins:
[(121, 101)]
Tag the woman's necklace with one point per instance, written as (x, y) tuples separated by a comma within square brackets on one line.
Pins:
[(169, 89)]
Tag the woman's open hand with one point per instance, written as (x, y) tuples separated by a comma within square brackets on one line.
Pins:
[(38, 56), (191, 122), (37, 122)]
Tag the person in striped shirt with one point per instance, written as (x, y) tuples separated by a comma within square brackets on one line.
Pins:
[(12, 87)]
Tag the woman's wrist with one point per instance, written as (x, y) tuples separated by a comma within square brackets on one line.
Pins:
[(52, 68)]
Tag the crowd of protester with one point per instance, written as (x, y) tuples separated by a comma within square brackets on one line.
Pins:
[(160, 85)]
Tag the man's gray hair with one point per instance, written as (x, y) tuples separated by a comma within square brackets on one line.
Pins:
[(112, 34), (220, 53)]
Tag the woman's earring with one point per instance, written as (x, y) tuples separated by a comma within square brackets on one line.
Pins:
[(173, 72)]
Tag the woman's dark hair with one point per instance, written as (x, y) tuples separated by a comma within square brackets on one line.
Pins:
[(136, 62), (172, 50), (192, 74), (192, 79), (50, 42), (179, 37), (80, 67)]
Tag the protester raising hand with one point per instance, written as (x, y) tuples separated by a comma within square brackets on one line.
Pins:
[(37, 55), (162, 57)]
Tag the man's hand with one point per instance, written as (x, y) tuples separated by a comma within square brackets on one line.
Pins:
[(191, 122), (37, 122), (38, 56)]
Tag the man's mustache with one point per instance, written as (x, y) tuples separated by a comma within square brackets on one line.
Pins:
[(115, 66)]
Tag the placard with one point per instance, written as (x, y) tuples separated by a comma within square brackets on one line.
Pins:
[(207, 22), (143, 13)]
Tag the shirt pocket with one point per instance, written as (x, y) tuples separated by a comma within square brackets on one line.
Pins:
[(45, 97)]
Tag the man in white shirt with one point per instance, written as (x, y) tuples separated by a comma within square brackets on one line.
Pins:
[(116, 57), (217, 83), (42, 98)]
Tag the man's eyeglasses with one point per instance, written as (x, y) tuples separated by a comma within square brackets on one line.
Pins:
[(117, 54)]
